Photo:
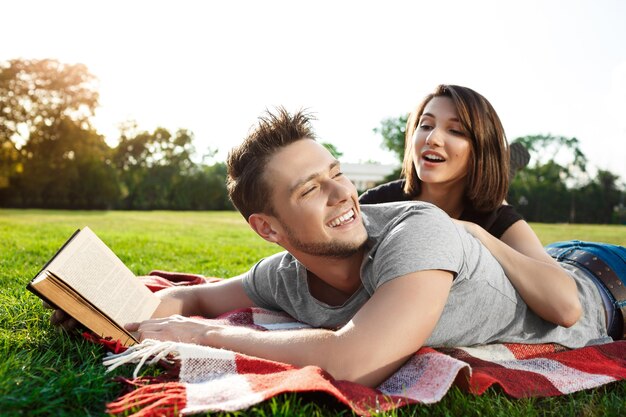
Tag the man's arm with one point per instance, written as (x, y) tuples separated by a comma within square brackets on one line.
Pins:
[(206, 300), (390, 327)]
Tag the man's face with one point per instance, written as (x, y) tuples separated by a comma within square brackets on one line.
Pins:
[(315, 205)]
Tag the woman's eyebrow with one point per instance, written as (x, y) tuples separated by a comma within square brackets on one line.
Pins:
[(453, 119)]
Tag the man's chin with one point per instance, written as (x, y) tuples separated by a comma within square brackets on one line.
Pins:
[(343, 253), (334, 250)]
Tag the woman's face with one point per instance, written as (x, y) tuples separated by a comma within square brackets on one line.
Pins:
[(441, 146)]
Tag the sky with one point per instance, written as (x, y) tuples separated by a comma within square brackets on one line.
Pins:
[(548, 67)]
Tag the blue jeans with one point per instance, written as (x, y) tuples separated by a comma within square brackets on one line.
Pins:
[(615, 258)]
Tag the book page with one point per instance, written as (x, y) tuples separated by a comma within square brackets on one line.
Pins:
[(88, 266)]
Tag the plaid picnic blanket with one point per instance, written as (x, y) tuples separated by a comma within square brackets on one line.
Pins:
[(207, 379)]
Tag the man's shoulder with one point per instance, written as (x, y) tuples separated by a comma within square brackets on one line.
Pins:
[(408, 237), (399, 210), (282, 261), (383, 220)]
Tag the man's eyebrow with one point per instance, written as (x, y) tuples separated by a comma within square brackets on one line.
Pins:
[(454, 119), (303, 181)]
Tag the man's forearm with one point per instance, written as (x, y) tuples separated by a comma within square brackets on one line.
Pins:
[(303, 347), (205, 300), (177, 300), (309, 347)]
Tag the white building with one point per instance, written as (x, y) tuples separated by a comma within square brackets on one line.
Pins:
[(366, 175)]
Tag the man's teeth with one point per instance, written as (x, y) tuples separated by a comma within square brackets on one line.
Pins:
[(342, 219)]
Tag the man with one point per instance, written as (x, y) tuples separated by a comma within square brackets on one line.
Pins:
[(377, 282)]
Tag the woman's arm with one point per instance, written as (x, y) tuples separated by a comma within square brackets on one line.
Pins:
[(547, 289)]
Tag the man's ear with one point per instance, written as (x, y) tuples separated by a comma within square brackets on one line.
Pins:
[(264, 226)]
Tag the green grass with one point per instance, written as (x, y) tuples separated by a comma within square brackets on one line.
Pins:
[(45, 372), (615, 234)]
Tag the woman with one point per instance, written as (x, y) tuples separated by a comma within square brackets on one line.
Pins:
[(457, 157)]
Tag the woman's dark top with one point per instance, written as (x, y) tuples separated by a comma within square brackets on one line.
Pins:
[(495, 222)]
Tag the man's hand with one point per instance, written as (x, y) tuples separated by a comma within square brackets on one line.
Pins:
[(182, 329), (60, 318)]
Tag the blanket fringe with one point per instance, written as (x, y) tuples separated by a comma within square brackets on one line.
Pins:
[(166, 399), (140, 353)]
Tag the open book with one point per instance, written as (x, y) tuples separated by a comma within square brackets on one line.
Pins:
[(90, 283)]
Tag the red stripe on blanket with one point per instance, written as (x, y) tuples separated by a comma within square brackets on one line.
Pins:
[(251, 365), (270, 378), (608, 359), (361, 399), (523, 351), (516, 383)]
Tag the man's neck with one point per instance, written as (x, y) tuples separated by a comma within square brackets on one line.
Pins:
[(333, 280)]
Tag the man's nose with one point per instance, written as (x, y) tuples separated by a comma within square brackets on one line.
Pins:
[(339, 192)]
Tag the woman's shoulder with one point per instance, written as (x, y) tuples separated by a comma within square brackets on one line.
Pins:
[(496, 222), (385, 193), (507, 215)]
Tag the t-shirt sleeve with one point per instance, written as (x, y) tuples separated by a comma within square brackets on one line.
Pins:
[(259, 282), (505, 217), (425, 239)]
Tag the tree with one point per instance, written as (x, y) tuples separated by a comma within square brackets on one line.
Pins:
[(10, 164), (50, 151), (72, 168), (556, 186), (157, 172), (393, 131), (39, 93), (546, 148), (599, 200), (539, 193), (333, 150), (204, 189)]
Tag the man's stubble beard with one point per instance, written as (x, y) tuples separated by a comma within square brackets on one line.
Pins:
[(332, 249)]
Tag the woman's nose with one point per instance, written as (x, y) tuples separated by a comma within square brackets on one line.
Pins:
[(434, 138)]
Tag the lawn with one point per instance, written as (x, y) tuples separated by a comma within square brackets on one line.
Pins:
[(45, 372)]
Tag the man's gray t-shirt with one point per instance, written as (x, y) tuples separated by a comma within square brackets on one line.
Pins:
[(482, 307)]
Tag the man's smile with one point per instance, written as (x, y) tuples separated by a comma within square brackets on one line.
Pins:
[(345, 218)]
